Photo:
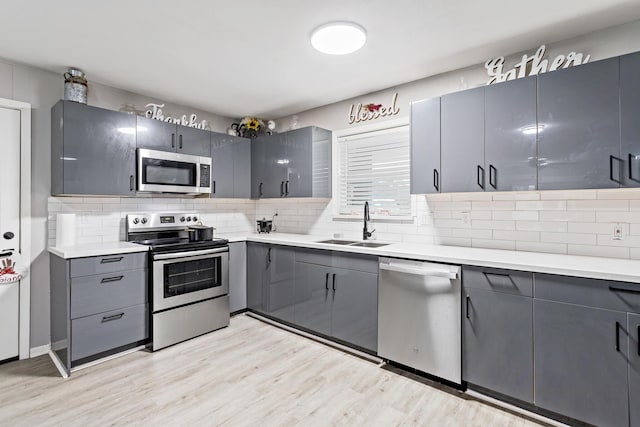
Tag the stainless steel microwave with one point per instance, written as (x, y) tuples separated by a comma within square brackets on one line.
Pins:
[(166, 172)]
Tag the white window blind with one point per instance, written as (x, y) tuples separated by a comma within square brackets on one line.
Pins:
[(374, 167)]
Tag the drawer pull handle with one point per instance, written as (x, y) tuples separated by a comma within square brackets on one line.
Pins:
[(638, 338), (109, 260), (112, 317), (467, 306), (111, 279), (617, 336), (508, 276), (326, 282), (334, 282), (628, 291)]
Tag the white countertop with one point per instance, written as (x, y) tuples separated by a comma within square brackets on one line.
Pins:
[(568, 265), (96, 249)]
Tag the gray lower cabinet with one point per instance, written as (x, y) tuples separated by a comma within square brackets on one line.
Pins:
[(92, 151), (633, 328), (579, 127), (629, 123), (99, 305), (237, 276), (425, 146), (158, 135), (510, 135), (498, 342), (313, 297), (462, 136), (581, 362), (270, 278), (231, 166)]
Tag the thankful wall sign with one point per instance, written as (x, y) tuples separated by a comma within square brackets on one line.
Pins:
[(360, 113)]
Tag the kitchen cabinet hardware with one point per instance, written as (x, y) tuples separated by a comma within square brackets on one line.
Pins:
[(286, 188), (131, 183), (110, 260), (180, 142), (611, 159), (214, 188), (624, 290), (480, 172), (269, 255), (326, 282), (467, 300), (111, 279), (617, 337), (632, 157), (638, 337), (173, 140), (281, 188), (493, 176), (260, 189), (112, 317), (436, 180), (8, 235), (334, 282)]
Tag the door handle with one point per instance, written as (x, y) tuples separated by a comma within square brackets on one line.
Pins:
[(631, 159), (467, 306), (112, 317), (131, 183), (611, 159), (286, 188), (281, 188), (173, 140), (617, 336), (493, 176), (260, 190), (6, 254), (111, 279), (480, 172), (269, 256), (334, 282), (180, 143), (110, 260), (638, 339), (214, 187), (436, 180), (326, 282)]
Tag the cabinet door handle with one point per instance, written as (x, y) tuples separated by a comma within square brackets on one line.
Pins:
[(631, 159), (624, 290), (493, 175), (260, 190), (436, 180), (269, 256), (638, 339), (214, 187), (109, 260), (334, 282), (111, 279), (611, 159), (173, 140), (286, 188), (131, 183), (326, 282), (467, 306), (617, 336), (180, 143), (478, 174), (112, 317), (281, 188)]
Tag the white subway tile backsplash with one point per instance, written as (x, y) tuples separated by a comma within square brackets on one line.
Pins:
[(552, 248), (516, 215), (575, 216), (573, 238), (518, 236), (599, 251), (600, 205), (515, 195), (568, 195), (553, 226), (494, 225), (494, 244), (619, 193), (542, 205), (472, 233), (494, 206)]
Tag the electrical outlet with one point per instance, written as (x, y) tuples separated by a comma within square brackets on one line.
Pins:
[(617, 232), (466, 218)]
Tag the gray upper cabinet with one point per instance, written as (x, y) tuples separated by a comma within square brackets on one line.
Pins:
[(296, 163), (92, 150), (231, 166), (425, 146), (462, 136), (163, 136), (498, 342), (579, 127), (581, 362), (633, 327), (510, 135), (629, 123)]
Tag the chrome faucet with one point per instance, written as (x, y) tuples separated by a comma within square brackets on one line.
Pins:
[(366, 234)]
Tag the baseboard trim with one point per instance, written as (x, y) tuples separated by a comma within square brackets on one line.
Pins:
[(105, 359), (59, 365), (513, 408), (39, 351)]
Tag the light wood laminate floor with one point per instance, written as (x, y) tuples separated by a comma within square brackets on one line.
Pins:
[(248, 374)]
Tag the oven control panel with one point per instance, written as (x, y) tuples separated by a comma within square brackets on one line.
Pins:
[(155, 221)]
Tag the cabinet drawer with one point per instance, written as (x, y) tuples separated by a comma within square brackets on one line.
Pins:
[(350, 261), (104, 292), (94, 334), (493, 279), (107, 264), (606, 294)]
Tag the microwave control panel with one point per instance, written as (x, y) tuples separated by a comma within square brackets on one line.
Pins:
[(205, 176)]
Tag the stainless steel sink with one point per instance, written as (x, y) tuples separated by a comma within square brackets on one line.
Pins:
[(337, 242), (369, 244)]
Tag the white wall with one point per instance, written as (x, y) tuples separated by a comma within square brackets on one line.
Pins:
[(569, 222)]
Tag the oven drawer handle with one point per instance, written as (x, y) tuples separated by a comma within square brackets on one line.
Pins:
[(112, 317), (190, 253), (112, 279)]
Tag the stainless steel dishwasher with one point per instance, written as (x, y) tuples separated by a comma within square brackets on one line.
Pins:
[(419, 316)]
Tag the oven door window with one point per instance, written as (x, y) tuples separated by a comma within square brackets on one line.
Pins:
[(191, 276), (168, 172)]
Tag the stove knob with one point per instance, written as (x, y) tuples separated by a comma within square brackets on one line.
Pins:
[(182, 219), (195, 218), (188, 218), (136, 220), (143, 220)]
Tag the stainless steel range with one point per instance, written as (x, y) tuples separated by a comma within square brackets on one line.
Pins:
[(189, 281)]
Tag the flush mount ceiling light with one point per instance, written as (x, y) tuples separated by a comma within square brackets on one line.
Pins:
[(338, 38)]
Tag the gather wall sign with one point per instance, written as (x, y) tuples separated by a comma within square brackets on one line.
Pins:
[(360, 113), (155, 112)]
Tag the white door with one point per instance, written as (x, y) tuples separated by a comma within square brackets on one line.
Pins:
[(9, 229)]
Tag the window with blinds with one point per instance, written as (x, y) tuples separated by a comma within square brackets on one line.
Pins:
[(374, 167)]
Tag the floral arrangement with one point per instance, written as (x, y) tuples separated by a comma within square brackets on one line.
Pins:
[(249, 127)]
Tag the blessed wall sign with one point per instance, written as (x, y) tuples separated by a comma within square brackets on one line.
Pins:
[(360, 113), (155, 112), (532, 65)]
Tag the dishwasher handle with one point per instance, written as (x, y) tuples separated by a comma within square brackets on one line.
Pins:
[(420, 271)]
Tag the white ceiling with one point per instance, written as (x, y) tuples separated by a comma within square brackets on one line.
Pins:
[(236, 58)]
